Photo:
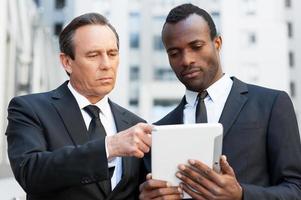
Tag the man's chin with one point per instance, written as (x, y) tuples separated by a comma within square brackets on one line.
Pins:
[(196, 87)]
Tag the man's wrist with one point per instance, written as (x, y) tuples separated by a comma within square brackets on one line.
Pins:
[(109, 145), (106, 147)]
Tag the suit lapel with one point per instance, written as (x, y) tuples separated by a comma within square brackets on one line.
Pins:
[(178, 116), (235, 102), (121, 123), (68, 109)]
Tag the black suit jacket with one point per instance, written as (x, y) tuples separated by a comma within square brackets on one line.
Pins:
[(51, 156), (261, 141)]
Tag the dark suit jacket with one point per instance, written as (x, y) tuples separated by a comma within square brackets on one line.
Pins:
[(261, 141), (51, 156)]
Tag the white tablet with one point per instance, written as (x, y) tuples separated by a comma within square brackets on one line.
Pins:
[(175, 144)]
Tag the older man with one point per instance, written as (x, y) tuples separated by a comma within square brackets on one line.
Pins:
[(74, 142)]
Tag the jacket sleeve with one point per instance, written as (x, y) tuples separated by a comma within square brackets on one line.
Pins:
[(39, 170), (284, 155)]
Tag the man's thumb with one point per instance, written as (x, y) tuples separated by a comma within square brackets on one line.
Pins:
[(225, 167)]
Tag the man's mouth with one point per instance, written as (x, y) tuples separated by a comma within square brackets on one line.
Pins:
[(105, 79), (191, 73)]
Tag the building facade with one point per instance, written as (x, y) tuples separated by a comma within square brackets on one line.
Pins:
[(260, 44), (28, 64)]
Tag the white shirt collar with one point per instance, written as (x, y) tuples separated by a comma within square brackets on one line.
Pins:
[(215, 91), (82, 101), (191, 97), (220, 89)]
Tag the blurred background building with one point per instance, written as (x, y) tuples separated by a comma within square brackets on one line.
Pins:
[(260, 46)]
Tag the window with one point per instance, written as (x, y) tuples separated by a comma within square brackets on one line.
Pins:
[(248, 7), (161, 107), (158, 20), (134, 20), (288, 3), (248, 39), (166, 102), (58, 28), (164, 74), (134, 102), (24, 87), (293, 89), (37, 2), (134, 73), (252, 38), (60, 4), (134, 40), (158, 45), (289, 29), (291, 59)]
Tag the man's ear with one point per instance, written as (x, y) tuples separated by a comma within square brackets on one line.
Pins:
[(218, 42), (66, 62)]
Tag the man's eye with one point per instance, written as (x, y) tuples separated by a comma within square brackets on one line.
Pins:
[(173, 53), (113, 54), (197, 47), (92, 55)]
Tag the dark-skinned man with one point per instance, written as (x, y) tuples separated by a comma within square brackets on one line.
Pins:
[(261, 143)]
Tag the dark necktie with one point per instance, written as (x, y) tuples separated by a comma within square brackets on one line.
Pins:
[(201, 113), (97, 131)]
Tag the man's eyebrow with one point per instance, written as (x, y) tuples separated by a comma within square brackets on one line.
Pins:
[(113, 49), (190, 43), (97, 51), (91, 51), (171, 49), (196, 41)]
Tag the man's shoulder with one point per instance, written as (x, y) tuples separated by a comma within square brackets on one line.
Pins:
[(33, 98), (258, 88), (167, 119), (37, 98), (266, 93), (254, 89), (175, 116), (258, 95)]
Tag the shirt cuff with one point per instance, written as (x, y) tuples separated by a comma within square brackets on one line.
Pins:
[(111, 162)]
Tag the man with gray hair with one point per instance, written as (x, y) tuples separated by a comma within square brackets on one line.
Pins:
[(74, 142)]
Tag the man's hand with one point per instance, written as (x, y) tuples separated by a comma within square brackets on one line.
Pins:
[(201, 182), (135, 141), (157, 189)]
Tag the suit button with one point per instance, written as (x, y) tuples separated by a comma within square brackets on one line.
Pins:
[(85, 180)]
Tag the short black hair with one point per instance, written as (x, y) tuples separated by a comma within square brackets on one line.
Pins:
[(181, 12), (66, 36)]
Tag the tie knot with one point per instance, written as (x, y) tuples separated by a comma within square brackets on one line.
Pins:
[(92, 110), (202, 95)]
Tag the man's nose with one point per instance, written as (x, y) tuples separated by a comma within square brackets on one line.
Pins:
[(105, 62), (187, 59)]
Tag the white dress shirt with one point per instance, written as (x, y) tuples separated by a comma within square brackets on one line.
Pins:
[(107, 120), (218, 93)]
